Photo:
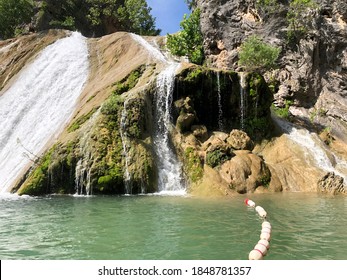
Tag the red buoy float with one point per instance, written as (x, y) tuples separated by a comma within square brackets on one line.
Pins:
[(249, 202)]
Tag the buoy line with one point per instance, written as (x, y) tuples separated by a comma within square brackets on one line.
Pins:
[(261, 248)]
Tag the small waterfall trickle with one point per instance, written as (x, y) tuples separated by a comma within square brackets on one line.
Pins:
[(243, 100), (122, 130), (220, 108), (39, 103), (169, 168), (85, 162)]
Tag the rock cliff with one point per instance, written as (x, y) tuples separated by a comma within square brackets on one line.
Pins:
[(310, 81)]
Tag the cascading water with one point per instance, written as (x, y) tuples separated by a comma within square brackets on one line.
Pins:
[(169, 168), (170, 179), (153, 51), (127, 175), (243, 100), (83, 166), (37, 106), (220, 109), (314, 148)]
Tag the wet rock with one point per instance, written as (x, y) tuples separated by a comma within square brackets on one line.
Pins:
[(200, 132)]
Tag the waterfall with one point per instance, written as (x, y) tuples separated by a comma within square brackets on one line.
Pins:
[(127, 176), (84, 164), (314, 148), (243, 100), (170, 178), (39, 103), (169, 168), (153, 51), (220, 109)]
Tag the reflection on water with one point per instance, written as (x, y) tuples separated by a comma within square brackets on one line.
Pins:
[(305, 226)]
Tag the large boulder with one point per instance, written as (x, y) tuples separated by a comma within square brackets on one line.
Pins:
[(245, 172)]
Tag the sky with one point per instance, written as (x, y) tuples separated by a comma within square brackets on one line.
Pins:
[(168, 14)]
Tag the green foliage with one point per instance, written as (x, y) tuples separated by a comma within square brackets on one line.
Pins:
[(129, 82), (265, 179), (14, 14), (112, 105), (257, 127), (81, 120), (116, 15), (193, 165), (299, 18), (283, 112), (216, 158), (195, 75), (266, 7), (38, 179), (256, 55), (188, 42), (91, 17)]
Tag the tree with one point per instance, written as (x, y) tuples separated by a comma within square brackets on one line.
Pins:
[(13, 15), (97, 17), (122, 15), (256, 55), (188, 42), (299, 18), (136, 17)]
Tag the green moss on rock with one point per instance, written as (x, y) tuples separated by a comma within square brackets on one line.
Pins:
[(193, 165)]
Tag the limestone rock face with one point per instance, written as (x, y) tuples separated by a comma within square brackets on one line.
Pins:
[(239, 140), (245, 172), (331, 183), (312, 72)]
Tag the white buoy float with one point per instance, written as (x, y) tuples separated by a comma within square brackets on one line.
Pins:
[(255, 255), (261, 212), (261, 248), (266, 224), (265, 236), (265, 243)]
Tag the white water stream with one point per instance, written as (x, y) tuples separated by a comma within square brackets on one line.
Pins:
[(85, 162), (170, 178), (314, 148), (220, 109), (243, 100), (170, 169), (39, 103)]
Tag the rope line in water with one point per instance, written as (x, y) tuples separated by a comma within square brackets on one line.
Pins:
[(261, 248)]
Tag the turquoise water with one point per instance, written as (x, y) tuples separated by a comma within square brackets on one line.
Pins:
[(305, 226)]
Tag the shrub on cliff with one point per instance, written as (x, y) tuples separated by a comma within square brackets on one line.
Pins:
[(188, 42), (256, 55), (299, 18)]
